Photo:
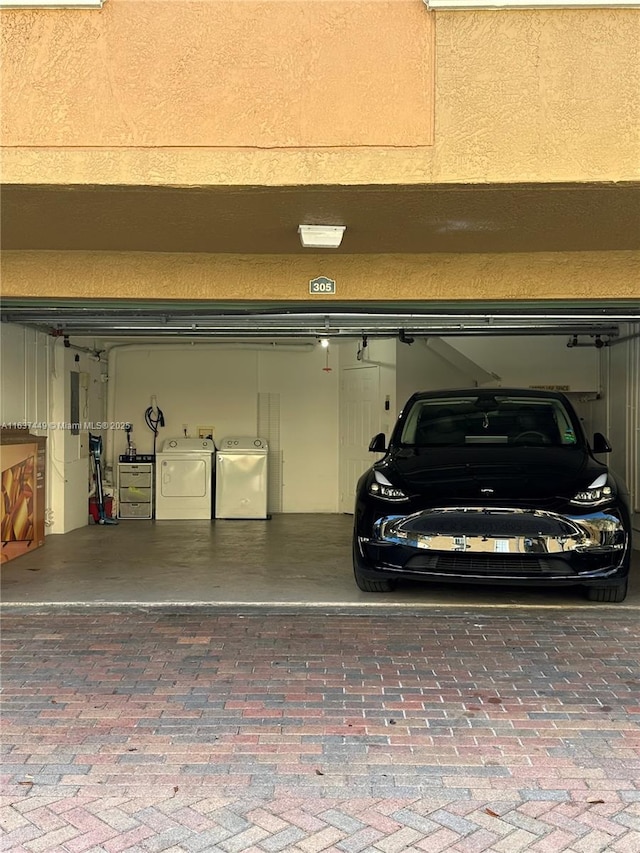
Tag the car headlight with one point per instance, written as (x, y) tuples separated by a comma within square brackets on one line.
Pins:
[(599, 492), (380, 487)]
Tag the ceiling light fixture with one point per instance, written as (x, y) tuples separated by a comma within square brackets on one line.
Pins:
[(321, 236)]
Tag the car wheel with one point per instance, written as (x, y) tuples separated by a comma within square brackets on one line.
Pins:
[(614, 592), (363, 583)]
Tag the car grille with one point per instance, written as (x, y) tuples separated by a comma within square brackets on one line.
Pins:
[(491, 523), (487, 564)]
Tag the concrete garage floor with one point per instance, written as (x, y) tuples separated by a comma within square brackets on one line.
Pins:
[(290, 560)]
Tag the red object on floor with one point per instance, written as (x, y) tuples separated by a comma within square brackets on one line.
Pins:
[(94, 511)]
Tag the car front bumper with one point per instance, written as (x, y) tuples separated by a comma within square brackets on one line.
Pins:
[(507, 545)]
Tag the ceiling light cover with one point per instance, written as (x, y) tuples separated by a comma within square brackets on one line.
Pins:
[(321, 236)]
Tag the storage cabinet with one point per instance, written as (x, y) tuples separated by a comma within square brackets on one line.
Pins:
[(135, 490)]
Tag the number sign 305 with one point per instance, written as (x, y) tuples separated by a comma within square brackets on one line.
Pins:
[(322, 284)]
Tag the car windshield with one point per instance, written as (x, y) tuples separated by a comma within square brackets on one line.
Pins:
[(488, 419)]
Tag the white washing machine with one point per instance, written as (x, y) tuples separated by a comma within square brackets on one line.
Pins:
[(184, 478), (241, 478)]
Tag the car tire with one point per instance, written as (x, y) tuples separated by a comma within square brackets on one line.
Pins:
[(363, 583), (614, 592)]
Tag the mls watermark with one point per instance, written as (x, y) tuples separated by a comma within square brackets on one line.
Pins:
[(91, 426)]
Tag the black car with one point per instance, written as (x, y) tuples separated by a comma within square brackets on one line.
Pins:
[(492, 486)]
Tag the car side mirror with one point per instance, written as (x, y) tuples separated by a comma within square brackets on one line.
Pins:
[(600, 443), (378, 443)]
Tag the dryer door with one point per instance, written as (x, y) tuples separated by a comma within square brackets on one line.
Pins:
[(184, 476)]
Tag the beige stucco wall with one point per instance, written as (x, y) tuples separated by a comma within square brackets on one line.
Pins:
[(215, 73), (138, 275), (138, 93)]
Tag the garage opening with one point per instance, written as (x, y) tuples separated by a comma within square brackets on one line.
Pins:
[(308, 387)]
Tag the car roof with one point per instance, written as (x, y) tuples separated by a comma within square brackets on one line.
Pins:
[(499, 392)]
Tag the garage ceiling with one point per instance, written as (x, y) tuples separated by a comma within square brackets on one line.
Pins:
[(379, 219)]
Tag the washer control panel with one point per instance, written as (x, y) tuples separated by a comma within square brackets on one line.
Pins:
[(243, 443)]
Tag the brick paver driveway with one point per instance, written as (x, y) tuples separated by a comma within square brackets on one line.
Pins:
[(210, 730)]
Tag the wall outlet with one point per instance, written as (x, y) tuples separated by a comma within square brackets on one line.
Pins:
[(205, 432)]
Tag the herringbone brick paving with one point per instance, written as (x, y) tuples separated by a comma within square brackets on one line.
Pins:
[(203, 730)]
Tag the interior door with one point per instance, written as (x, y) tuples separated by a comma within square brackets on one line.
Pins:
[(360, 410)]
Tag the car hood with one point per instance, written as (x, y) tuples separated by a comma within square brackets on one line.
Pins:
[(496, 474)]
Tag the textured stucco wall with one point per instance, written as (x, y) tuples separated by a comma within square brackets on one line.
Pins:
[(139, 275), (538, 95), (520, 95), (215, 73)]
